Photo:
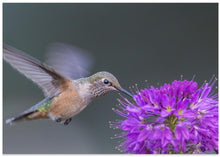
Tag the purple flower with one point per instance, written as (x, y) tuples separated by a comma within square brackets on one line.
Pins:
[(175, 118)]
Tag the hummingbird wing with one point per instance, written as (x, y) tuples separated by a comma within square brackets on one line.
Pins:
[(70, 61), (43, 75)]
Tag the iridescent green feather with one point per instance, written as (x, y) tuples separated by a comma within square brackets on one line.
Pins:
[(44, 107), (100, 75)]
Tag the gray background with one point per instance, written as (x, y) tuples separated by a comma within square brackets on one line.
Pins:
[(135, 42)]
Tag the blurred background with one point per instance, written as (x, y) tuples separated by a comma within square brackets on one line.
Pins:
[(135, 42)]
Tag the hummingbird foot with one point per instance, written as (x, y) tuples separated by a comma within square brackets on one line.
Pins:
[(58, 120), (67, 121)]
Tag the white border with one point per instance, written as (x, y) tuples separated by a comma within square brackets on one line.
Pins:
[(85, 1)]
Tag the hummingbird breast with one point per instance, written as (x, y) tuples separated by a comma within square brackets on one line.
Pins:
[(69, 103)]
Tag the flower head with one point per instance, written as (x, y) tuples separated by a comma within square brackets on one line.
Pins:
[(175, 118)]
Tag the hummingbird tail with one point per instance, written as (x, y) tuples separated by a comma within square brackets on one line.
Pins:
[(18, 118), (35, 112)]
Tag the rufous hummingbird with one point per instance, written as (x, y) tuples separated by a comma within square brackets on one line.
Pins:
[(64, 96)]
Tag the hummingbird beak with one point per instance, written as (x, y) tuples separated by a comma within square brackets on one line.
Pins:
[(125, 92)]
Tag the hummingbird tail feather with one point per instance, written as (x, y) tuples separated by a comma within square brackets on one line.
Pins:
[(18, 118), (36, 111), (9, 121)]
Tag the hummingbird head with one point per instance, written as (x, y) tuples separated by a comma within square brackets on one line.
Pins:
[(104, 82)]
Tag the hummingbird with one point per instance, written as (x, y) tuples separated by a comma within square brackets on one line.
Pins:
[(62, 78)]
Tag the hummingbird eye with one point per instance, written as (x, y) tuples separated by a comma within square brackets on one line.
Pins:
[(105, 81)]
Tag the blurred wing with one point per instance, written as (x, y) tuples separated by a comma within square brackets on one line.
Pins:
[(41, 74), (71, 62)]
